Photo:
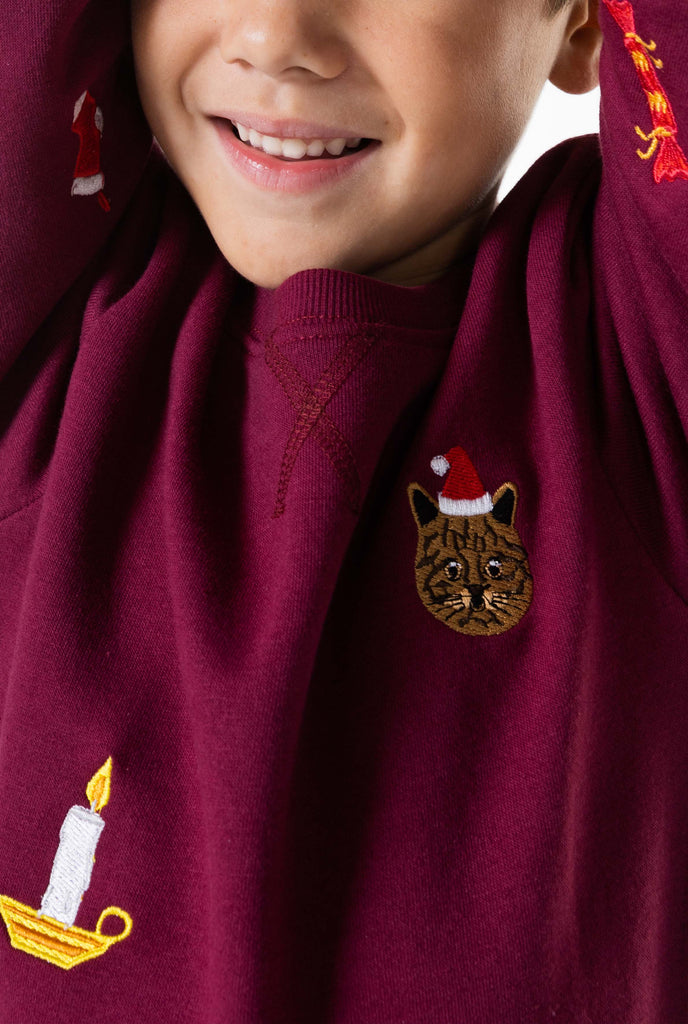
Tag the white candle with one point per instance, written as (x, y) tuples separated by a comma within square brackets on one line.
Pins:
[(73, 864)]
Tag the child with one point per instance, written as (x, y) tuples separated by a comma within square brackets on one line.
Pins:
[(343, 530)]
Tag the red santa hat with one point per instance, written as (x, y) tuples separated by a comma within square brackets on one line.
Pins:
[(88, 178), (463, 494)]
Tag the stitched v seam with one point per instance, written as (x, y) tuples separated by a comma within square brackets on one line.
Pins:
[(309, 402)]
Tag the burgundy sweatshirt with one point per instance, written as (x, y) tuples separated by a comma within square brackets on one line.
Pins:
[(362, 735)]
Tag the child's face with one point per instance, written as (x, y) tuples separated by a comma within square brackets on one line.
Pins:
[(445, 87)]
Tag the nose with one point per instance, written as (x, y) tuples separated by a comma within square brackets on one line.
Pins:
[(284, 38), (476, 590)]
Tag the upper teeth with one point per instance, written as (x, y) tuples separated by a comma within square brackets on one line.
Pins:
[(293, 149)]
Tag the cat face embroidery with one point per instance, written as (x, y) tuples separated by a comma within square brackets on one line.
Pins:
[(472, 570)]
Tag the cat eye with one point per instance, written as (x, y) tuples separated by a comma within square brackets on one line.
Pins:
[(452, 570), (494, 568)]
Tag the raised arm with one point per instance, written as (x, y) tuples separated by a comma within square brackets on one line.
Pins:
[(73, 144), (644, 129), (641, 271)]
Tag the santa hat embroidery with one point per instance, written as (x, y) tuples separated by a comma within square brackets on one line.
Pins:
[(463, 493), (88, 125)]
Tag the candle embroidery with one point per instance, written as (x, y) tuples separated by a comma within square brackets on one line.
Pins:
[(670, 162), (50, 933)]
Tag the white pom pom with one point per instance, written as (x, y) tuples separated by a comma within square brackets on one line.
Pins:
[(440, 465)]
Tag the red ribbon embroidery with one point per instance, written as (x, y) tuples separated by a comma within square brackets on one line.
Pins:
[(670, 162)]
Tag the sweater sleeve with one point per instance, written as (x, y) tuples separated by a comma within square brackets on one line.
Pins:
[(73, 144), (644, 122), (640, 260)]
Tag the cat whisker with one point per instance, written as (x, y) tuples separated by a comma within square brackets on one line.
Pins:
[(508, 598), (504, 608)]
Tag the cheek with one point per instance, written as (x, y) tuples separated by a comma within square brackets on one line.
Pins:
[(146, 42), (462, 109), (167, 36), (470, 80)]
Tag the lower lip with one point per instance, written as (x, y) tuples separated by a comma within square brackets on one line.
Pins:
[(294, 176)]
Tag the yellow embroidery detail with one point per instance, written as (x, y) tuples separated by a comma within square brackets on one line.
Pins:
[(51, 941), (640, 60), (653, 137), (657, 102), (651, 47), (50, 933), (98, 789)]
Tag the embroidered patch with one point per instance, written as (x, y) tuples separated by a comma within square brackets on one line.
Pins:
[(49, 933), (472, 570), (670, 163), (88, 179)]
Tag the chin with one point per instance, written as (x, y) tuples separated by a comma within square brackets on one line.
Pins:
[(266, 275), (270, 273)]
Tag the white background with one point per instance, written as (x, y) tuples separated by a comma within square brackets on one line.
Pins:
[(556, 117)]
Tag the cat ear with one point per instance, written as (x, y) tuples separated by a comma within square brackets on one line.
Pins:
[(504, 504), (423, 507)]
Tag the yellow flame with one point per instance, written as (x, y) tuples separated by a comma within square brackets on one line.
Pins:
[(98, 789)]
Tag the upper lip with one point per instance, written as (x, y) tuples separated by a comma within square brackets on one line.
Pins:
[(291, 129)]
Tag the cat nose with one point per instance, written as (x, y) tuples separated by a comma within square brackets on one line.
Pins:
[(476, 590)]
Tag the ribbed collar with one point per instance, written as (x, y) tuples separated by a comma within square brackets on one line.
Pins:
[(338, 294)]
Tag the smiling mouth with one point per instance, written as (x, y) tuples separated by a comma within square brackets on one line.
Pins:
[(298, 150)]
